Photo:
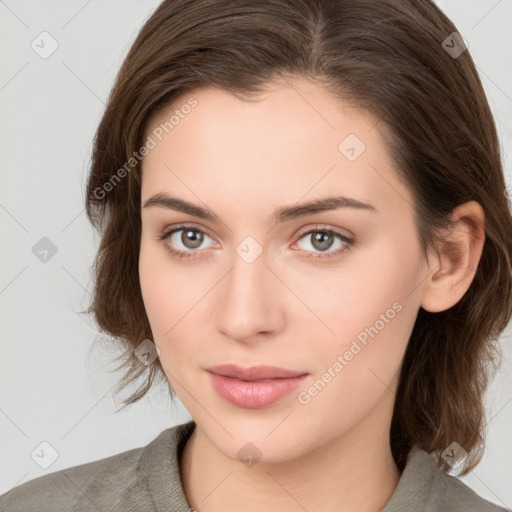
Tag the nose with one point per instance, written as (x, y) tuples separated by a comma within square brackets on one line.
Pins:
[(249, 303)]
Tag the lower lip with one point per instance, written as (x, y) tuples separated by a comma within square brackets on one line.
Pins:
[(254, 394)]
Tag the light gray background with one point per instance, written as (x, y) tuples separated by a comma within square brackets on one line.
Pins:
[(55, 385)]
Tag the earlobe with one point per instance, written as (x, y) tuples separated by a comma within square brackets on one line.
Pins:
[(454, 265)]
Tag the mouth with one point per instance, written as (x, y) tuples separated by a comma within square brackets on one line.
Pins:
[(254, 387)]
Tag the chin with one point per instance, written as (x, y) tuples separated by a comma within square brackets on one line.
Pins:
[(252, 438)]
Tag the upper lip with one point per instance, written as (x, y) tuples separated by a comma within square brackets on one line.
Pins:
[(254, 372)]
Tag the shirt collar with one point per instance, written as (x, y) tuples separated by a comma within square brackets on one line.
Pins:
[(159, 468), (417, 485)]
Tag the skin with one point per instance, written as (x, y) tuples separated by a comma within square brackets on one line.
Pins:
[(242, 160)]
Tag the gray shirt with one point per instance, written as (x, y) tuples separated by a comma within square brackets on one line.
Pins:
[(148, 479)]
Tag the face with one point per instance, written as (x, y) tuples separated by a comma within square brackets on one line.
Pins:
[(329, 292)]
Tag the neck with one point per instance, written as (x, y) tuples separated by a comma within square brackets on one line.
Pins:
[(355, 471)]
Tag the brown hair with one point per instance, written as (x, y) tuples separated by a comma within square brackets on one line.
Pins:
[(386, 56)]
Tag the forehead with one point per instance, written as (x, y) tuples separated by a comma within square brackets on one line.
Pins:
[(293, 141)]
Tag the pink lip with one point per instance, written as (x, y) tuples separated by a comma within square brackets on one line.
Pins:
[(254, 387)]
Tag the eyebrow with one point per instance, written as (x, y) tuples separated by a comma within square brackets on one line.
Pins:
[(281, 214)]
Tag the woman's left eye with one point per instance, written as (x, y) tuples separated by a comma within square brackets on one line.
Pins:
[(322, 240)]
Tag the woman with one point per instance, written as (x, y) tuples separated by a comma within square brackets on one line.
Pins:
[(306, 234)]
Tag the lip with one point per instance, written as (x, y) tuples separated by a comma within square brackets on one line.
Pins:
[(254, 372), (254, 387)]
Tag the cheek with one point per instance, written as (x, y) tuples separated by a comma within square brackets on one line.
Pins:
[(366, 289), (173, 302), (356, 368), (366, 314), (163, 291)]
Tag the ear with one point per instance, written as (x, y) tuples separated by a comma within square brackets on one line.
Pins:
[(454, 265)]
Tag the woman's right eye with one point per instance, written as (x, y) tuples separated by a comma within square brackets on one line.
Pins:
[(183, 241)]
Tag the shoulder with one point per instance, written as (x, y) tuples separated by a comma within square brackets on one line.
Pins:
[(92, 485), (144, 478), (424, 487), (441, 491), (458, 496)]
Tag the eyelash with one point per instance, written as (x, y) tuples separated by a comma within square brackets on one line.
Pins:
[(326, 255)]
